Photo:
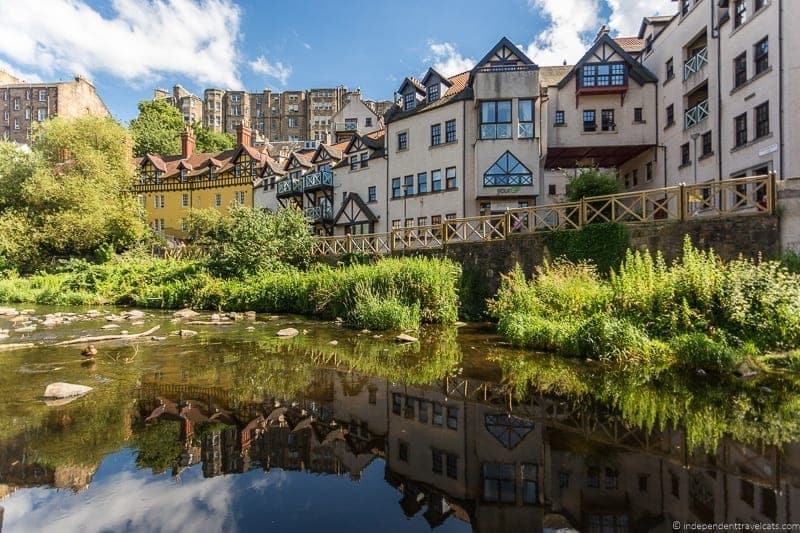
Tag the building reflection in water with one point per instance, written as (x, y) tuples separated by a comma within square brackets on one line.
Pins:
[(464, 450)]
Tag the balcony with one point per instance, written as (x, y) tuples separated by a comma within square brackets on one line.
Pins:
[(318, 180), (345, 126), (693, 65), (319, 213), (695, 114), (289, 187)]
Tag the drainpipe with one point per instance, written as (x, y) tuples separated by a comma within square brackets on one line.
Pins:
[(463, 160), (780, 83), (715, 35)]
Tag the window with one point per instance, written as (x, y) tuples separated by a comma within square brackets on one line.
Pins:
[(563, 479), (292, 122), (450, 131), (436, 219), (409, 100), (364, 161), (551, 189), (670, 68), (184, 200), (351, 124), (402, 451), (746, 492), (422, 182), (16, 104), (761, 56), (530, 483), (675, 485), (607, 120), (395, 187), (507, 429), (740, 69), (450, 216), (450, 178), (686, 157), (769, 503), (433, 92), (408, 189), (603, 75), (436, 134), (762, 120), (507, 171), (758, 4), (436, 461), (409, 222), (422, 414), (438, 414), (402, 140), (560, 120), (368, 122), (739, 13), (372, 194), (354, 162), (42, 95), (589, 120), (638, 115), (740, 129), (395, 223), (499, 483), (670, 115), (27, 113), (239, 197), (452, 466), (706, 141), (496, 119), (217, 200), (525, 117), (452, 417), (436, 180), (685, 4), (648, 171)]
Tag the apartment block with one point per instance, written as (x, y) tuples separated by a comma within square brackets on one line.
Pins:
[(24, 104), (190, 105)]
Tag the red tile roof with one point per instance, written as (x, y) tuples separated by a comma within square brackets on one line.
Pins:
[(630, 44)]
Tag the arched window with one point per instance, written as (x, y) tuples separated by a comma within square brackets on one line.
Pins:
[(508, 429), (507, 171)]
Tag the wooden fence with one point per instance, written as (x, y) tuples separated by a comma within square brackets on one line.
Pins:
[(733, 197)]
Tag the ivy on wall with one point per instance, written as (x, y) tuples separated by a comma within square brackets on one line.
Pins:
[(603, 244)]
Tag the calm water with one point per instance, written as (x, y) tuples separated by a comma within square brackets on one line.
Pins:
[(236, 430)]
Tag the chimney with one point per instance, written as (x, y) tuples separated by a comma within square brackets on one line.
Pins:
[(243, 134), (187, 142)]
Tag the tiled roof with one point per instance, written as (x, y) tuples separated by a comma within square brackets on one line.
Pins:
[(630, 44), (550, 76), (453, 93), (198, 163)]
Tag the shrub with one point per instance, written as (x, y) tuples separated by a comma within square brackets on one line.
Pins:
[(533, 331), (611, 339), (591, 181), (381, 312), (696, 350), (602, 244)]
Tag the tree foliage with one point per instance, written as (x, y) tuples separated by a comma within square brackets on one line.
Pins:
[(251, 240), (69, 195), (591, 181), (158, 127)]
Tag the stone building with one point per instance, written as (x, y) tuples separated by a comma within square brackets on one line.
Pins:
[(190, 105), (24, 104)]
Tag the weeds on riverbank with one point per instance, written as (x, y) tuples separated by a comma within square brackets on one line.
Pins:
[(390, 294), (698, 312)]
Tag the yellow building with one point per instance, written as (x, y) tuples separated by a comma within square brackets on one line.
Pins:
[(170, 185)]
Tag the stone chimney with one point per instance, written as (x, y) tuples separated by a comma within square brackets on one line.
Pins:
[(187, 142), (244, 134)]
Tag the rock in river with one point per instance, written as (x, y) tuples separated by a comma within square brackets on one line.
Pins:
[(405, 338), (185, 313), (288, 332), (65, 390), (187, 333)]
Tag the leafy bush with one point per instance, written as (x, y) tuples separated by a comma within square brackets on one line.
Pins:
[(697, 350), (591, 181), (604, 245), (381, 312)]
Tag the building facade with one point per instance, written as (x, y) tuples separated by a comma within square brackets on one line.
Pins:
[(24, 104)]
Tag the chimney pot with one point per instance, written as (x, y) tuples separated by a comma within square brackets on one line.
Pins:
[(187, 142), (244, 134)]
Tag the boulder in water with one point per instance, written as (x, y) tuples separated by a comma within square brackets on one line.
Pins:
[(288, 332), (65, 390)]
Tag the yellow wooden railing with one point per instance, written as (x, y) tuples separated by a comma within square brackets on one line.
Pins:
[(733, 197)]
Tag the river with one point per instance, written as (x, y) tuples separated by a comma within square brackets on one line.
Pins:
[(235, 429)]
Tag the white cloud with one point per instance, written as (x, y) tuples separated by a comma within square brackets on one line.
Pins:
[(139, 43), (573, 25), (277, 70), (627, 15), (447, 59)]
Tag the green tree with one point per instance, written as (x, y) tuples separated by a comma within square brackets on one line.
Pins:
[(251, 240), (212, 141), (591, 181), (69, 196), (157, 129)]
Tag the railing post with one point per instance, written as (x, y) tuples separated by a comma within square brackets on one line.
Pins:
[(445, 236), (507, 224), (682, 207), (582, 213), (771, 192), (391, 241), (349, 246)]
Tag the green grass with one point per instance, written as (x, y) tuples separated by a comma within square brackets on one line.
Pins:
[(416, 290), (698, 312)]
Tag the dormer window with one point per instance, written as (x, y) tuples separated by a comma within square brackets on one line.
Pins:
[(183, 174), (603, 75), (409, 101), (433, 92)]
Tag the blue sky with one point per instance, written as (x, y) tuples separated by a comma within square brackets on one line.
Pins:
[(128, 47)]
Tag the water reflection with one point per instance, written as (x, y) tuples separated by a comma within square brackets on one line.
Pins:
[(417, 436)]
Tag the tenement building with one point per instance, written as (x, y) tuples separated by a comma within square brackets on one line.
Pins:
[(24, 104)]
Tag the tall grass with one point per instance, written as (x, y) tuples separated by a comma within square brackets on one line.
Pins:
[(416, 289), (698, 312)]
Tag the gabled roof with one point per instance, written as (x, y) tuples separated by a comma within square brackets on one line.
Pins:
[(372, 140), (300, 158), (498, 49), (551, 76), (271, 167), (360, 204), (630, 44), (334, 151), (415, 83), (636, 70), (433, 72), (663, 19), (458, 90)]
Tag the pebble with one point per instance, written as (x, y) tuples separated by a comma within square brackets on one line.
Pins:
[(333, 343)]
